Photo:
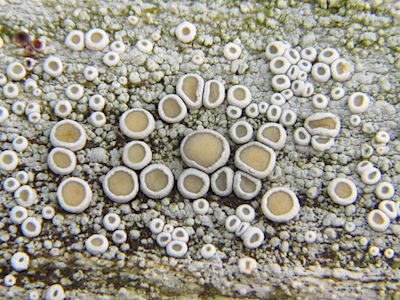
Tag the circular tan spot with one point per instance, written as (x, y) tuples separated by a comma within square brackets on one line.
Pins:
[(247, 185), (256, 157), (95, 37), (61, 159), (75, 39), (214, 92), (136, 153), (17, 68), (190, 85), (97, 242), (120, 183), (378, 219), (193, 184), (321, 71), (241, 131), (203, 148), (67, 133), (7, 159), (23, 195), (156, 180), (327, 122), (171, 108), (280, 203), (136, 121), (358, 100), (239, 94), (343, 190), (255, 237), (73, 193), (221, 181), (278, 63), (272, 133), (342, 68), (30, 227), (53, 65)]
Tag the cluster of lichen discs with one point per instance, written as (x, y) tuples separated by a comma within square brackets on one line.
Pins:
[(257, 134)]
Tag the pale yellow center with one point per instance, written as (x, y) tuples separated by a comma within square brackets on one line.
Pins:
[(326, 122), (378, 218), (120, 183), (136, 121), (342, 68), (221, 181), (53, 65), (156, 180), (239, 93), (136, 153), (7, 159), (343, 190), (185, 30), (67, 133), (61, 159), (95, 37), (241, 131), (203, 148), (247, 185), (214, 92), (171, 108), (256, 157), (30, 227), (17, 68), (73, 193), (358, 100), (280, 203), (272, 133), (193, 183), (96, 242), (75, 39), (255, 237), (322, 140), (177, 247), (189, 87), (23, 195)]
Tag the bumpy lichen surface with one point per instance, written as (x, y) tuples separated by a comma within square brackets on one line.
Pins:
[(337, 264)]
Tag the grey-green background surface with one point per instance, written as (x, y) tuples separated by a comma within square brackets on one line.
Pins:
[(365, 32)]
